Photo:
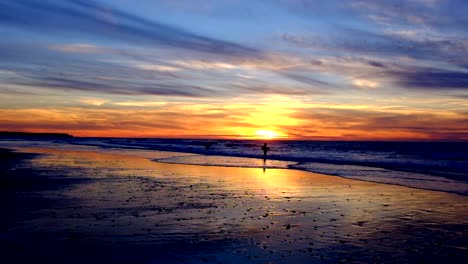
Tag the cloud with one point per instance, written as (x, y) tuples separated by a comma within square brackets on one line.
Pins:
[(363, 42), (38, 67), (429, 13), (86, 59), (425, 13), (204, 65), (93, 101), (361, 83), (167, 121), (157, 67), (87, 68), (101, 21), (245, 76), (276, 89), (425, 31), (364, 124), (431, 79), (118, 87), (371, 59), (140, 103), (305, 78), (77, 48), (281, 114)]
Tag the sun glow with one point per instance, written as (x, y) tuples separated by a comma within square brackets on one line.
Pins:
[(266, 134)]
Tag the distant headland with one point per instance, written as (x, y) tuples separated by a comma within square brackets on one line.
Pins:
[(30, 135)]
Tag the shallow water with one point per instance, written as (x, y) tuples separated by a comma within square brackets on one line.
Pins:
[(439, 166)]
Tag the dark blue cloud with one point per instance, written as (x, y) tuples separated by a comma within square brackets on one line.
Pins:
[(447, 48), (441, 15), (376, 64), (305, 78), (423, 30), (431, 79), (90, 18), (363, 42)]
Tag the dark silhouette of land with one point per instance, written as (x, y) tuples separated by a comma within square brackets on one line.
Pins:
[(14, 134)]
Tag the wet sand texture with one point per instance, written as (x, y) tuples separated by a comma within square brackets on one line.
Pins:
[(93, 207)]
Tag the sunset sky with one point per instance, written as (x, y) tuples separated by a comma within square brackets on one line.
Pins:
[(297, 69)]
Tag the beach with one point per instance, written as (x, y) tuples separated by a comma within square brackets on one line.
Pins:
[(68, 206)]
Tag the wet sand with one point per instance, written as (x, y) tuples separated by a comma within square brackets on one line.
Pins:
[(88, 207)]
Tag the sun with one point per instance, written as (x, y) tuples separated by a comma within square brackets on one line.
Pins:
[(266, 134)]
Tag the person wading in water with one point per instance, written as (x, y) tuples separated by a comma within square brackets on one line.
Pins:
[(265, 149)]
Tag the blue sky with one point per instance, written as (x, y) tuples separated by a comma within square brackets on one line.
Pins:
[(303, 69)]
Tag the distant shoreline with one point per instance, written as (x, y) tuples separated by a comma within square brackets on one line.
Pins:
[(30, 134)]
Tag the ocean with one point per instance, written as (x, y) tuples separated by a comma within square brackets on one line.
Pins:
[(440, 166)]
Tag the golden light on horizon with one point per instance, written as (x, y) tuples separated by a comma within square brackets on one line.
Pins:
[(266, 134)]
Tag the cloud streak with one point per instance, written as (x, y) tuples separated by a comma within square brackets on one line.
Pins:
[(362, 42), (432, 79), (124, 88), (97, 20)]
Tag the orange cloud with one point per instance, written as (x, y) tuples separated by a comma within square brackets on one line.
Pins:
[(283, 116)]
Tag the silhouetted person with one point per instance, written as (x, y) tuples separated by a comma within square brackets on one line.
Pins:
[(208, 145), (265, 149)]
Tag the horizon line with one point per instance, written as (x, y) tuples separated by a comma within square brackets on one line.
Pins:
[(253, 137)]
